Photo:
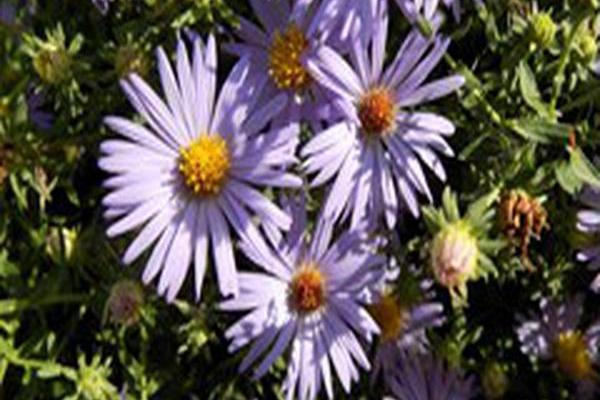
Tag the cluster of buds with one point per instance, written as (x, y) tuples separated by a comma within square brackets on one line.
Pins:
[(522, 217)]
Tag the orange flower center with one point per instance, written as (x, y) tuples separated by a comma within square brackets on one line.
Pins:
[(390, 317), (572, 356), (307, 289), (377, 111)]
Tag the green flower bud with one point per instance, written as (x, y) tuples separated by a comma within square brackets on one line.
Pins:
[(588, 48), (542, 29), (494, 381), (454, 255), (124, 303), (53, 65)]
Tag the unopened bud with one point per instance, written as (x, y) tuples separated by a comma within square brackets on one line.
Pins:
[(124, 303), (494, 381), (542, 29), (454, 255)]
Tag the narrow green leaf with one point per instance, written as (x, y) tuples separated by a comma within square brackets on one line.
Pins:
[(529, 89), (583, 168), (540, 130)]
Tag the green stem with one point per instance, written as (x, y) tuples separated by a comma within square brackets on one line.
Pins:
[(11, 306)]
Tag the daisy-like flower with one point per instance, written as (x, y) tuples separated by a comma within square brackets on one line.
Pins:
[(588, 222), (375, 151), (427, 10), (291, 31), (311, 300), (554, 334), (421, 376), (403, 323), (194, 168)]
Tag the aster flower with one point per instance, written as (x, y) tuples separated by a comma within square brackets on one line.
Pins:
[(310, 300), (554, 334), (423, 377), (588, 222), (194, 168), (427, 10), (290, 32), (374, 153), (403, 317)]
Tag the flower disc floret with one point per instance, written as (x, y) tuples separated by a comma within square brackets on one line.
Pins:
[(204, 165), (307, 289), (572, 356), (285, 59), (377, 111)]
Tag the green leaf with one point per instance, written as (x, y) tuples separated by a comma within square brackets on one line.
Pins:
[(450, 205), (540, 130), (476, 212), (434, 219), (529, 89), (583, 168), (567, 178)]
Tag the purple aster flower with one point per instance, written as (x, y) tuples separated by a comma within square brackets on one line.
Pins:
[(403, 324), (194, 169), (554, 334), (39, 118), (427, 10), (102, 5), (588, 222), (374, 153), (311, 300), (291, 31), (420, 376)]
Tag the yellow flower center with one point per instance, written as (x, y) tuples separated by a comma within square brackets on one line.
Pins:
[(204, 165), (285, 64), (390, 317), (307, 289), (377, 111), (571, 353)]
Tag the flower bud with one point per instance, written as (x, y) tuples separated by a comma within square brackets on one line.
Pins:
[(53, 65), (587, 47), (454, 255), (494, 381), (124, 303), (542, 29)]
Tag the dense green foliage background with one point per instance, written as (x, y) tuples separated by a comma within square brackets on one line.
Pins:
[(526, 119)]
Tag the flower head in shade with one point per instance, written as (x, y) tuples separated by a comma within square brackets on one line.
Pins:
[(421, 376), (554, 334), (427, 10), (403, 317), (375, 152), (102, 5), (193, 171), (40, 118), (310, 300), (588, 222), (290, 31)]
